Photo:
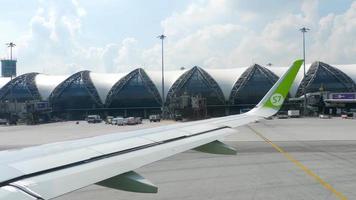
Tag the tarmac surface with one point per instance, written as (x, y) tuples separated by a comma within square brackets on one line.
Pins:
[(303, 158)]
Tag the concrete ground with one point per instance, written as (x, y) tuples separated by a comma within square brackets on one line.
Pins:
[(277, 159)]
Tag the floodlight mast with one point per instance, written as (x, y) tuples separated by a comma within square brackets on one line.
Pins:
[(12, 99), (304, 30), (162, 37), (11, 45)]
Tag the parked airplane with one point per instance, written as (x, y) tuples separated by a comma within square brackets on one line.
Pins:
[(51, 170)]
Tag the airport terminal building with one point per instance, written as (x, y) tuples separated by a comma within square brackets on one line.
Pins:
[(195, 91)]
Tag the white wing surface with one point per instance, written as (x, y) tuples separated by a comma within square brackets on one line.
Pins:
[(51, 170)]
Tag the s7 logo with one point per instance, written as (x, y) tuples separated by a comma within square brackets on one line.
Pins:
[(277, 99)]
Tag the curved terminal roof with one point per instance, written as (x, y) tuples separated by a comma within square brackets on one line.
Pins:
[(46, 84), (75, 89), (132, 90), (99, 85), (226, 78), (252, 85), (279, 71), (321, 75), (349, 69), (169, 78), (103, 82), (197, 81), (22, 87)]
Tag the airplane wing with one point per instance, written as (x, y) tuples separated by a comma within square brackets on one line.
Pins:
[(51, 170)]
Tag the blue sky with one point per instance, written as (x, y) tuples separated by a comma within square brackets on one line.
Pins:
[(64, 36)]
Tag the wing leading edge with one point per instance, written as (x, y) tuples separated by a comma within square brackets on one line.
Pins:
[(51, 170)]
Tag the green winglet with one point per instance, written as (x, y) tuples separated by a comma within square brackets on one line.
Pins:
[(276, 95)]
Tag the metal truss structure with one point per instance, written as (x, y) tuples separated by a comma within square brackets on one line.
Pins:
[(77, 78), (147, 82), (206, 78), (24, 87), (246, 77), (341, 77), (26, 81)]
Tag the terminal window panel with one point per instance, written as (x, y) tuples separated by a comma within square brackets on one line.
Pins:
[(135, 93), (18, 92), (75, 96), (328, 82), (254, 89), (197, 85)]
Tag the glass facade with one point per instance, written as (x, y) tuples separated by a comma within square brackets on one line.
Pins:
[(252, 86), (197, 84), (327, 81), (19, 92), (74, 96), (136, 95), (326, 78), (21, 89), (136, 92)]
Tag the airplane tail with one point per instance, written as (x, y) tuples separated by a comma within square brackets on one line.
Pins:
[(273, 100)]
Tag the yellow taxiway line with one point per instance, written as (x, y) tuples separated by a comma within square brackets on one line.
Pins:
[(301, 166)]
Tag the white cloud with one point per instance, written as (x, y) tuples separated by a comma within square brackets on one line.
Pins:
[(52, 42), (129, 54), (221, 44), (207, 46), (208, 33), (197, 15), (334, 40)]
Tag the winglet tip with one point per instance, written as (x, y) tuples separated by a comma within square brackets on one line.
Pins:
[(274, 98), (299, 61)]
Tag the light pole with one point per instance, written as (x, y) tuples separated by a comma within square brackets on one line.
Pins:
[(161, 37), (11, 45), (304, 30)]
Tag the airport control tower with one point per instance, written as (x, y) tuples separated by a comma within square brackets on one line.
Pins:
[(8, 66)]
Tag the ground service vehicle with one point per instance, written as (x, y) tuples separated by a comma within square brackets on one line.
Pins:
[(3, 121), (94, 119), (178, 117), (131, 121), (155, 118), (118, 121), (293, 113), (109, 119), (138, 120)]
